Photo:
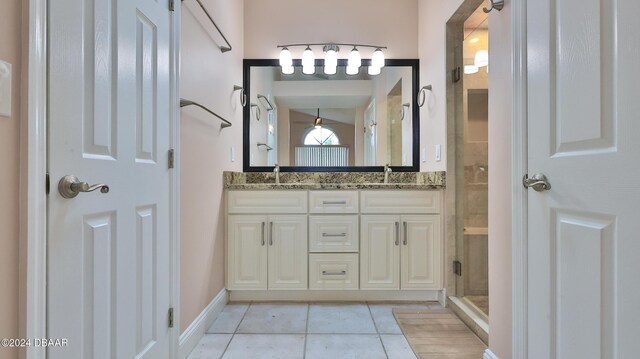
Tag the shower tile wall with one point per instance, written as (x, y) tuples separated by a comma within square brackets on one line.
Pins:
[(476, 171)]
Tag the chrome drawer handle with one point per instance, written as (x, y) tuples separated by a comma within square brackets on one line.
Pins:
[(397, 242), (334, 235), (334, 202), (324, 272)]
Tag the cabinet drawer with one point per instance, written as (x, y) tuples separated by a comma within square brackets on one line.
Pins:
[(333, 202), (400, 202), (333, 271), (333, 233), (271, 202)]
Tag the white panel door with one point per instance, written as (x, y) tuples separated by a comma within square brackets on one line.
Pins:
[(247, 252), (420, 254), (380, 252), (584, 129), (288, 242), (109, 122)]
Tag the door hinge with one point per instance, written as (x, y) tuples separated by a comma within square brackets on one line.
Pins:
[(171, 158), (47, 182), (172, 5), (170, 317), (455, 75), (457, 268)]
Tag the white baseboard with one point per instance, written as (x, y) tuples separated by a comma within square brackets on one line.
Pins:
[(488, 354), (333, 295), (192, 335), (442, 297)]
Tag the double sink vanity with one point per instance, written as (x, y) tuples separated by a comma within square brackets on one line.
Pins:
[(334, 235)]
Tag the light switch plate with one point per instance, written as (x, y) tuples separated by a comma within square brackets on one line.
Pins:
[(424, 154), (5, 89), (233, 154), (438, 152)]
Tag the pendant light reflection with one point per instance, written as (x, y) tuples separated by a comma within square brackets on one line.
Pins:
[(481, 58), (471, 69), (288, 70), (318, 122), (353, 70), (373, 70)]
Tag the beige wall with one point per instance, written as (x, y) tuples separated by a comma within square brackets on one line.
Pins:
[(207, 76), (10, 51), (377, 22), (433, 15)]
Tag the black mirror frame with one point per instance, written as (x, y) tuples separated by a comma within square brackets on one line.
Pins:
[(415, 167)]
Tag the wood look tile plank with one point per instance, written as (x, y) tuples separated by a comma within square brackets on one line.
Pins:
[(439, 334)]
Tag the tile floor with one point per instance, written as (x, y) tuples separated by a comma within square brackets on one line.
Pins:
[(307, 331)]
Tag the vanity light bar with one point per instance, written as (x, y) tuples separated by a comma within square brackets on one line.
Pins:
[(331, 58)]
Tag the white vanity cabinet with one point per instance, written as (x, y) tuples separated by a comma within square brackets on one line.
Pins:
[(400, 243), (267, 240), (319, 244)]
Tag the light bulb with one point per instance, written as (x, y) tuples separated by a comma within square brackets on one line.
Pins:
[(374, 70), (308, 60), (352, 70), (285, 58), (354, 58), (331, 58), (308, 70), (377, 59), (470, 69), (330, 70), (287, 70), (481, 58)]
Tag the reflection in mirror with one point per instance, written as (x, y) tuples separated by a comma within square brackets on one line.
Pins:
[(330, 120)]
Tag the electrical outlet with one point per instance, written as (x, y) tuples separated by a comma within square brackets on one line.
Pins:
[(438, 152), (424, 154), (5, 89)]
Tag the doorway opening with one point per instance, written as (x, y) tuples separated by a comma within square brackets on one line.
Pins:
[(468, 91)]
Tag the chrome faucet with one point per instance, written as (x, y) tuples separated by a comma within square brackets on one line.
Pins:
[(276, 170), (387, 170)]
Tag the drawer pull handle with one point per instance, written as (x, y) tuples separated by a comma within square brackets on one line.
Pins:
[(334, 202), (334, 235), (324, 272)]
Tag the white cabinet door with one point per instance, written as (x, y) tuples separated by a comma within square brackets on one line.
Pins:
[(247, 252), (420, 258), (380, 252), (288, 252)]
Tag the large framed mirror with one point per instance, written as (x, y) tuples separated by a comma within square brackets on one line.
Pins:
[(331, 123)]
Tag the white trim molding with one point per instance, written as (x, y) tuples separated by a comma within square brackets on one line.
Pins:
[(196, 330), (175, 178), (519, 167), (333, 295), (33, 181), (488, 354)]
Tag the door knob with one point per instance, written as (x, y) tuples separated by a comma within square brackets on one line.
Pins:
[(538, 182), (69, 187)]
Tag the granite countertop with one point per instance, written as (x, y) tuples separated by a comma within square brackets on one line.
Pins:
[(334, 181)]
